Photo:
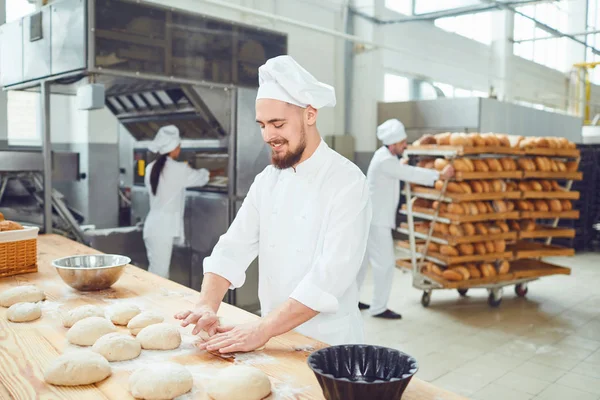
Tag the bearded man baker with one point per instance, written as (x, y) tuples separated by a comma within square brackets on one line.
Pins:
[(307, 219), (384, 175)]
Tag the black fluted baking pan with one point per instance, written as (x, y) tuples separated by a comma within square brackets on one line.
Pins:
[(357, 372)]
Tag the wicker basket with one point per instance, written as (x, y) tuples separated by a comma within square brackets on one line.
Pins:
[(18, 252)]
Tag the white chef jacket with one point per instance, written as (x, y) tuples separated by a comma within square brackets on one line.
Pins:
[(384, 173), (165, 218), (309, 229)]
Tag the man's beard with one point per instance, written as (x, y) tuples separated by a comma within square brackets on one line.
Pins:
[(292, 157)]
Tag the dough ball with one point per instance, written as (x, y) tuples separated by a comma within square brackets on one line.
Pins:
[(82, 312), (239, 382), (143, 320), (88, 330), (117, 347), (23, 312), (160, 381), (159, 337), (21, 294), (121, 314), (82, 367)]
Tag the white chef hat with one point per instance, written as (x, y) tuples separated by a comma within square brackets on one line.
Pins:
[(166, 140), (282, 78), (391, 131)]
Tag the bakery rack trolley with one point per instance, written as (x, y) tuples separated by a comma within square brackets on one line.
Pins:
[(521, 274)]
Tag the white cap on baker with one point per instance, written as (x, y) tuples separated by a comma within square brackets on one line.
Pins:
[(391, 131), (166, 140), (282, 78)]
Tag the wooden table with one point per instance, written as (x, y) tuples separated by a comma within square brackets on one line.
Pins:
[(27, 348)]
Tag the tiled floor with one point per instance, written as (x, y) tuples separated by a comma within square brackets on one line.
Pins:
[(544, 347)]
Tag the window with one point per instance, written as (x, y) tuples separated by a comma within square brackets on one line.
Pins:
[(593, 23), (473, 26), (427, 6), (22, 118), (400, 6), (16, 9), (547, 50), (428, 92), (396, 88)]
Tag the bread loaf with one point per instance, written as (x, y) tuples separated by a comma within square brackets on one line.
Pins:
[(572, 166), (527, 225), (511, 187), (508, 164), (525, 164), (493, 164), (566, 205), (510, 205), (515, 225), (540, 164), (481, 228), (494, 230), (422, 203), (541, 142), (454, 208), (536, 186), (487, 188), (499, 246), (555, 205), (541, 205), (458, 139), (552, 143), (481, 207), (465, 187), (525, 186), (448, 251), (546, 185), (503, 226), (480, 249), (466, 249), (503, 267), (498, 186), (426, 140), (463, 271), (6, 226), (500, 206), (553, 166), (440, 163), (487, 270), (489, 247), (476, 187), (470, 164), (443, 139), (456, 230), (468, 229), (441, 228), (556, 186), (523, 205), (480, 166), (435, 269), (452, 275), (504, 142), (477, 140), (491, 139), (460, 165), (562, 167), (489, 207), (473, 271)]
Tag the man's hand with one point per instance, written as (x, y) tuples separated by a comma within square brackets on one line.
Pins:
[(229, 339), (203, 316), (447, 172)]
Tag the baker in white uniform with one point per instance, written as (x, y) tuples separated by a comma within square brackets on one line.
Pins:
[(307, 219), (166, 181), (384, 175)]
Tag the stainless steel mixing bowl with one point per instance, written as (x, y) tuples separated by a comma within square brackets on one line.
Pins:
[(91, 272)]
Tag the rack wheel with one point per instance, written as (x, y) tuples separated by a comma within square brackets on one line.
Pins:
[(426, 298), (462, 292), (521, 289), (495, 297)]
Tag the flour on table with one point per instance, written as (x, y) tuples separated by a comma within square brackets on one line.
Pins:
[(254, 358), (306, 347), (285, 391)]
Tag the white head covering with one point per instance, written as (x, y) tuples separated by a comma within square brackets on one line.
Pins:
[(391, 131), (282, 78), (166, 140)]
